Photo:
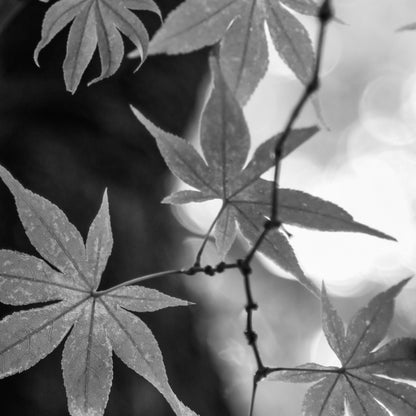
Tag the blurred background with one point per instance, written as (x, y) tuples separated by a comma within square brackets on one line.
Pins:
[(70, 148)]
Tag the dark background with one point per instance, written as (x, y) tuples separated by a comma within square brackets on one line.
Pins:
[(69, 149)]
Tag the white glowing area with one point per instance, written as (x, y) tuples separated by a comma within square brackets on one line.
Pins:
[(372, 190), (366, 170), (322, 353)]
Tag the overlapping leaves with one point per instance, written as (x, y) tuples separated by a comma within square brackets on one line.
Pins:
[(367, 378), (100, 322), (95, 23), (198, 23), (225, 175)]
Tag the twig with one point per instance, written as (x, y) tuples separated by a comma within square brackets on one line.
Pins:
[(325, 15), (208, 270), (253, 397), (251, 306)]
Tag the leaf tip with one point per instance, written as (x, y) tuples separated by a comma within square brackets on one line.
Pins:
[(166, 200), (138, 114), (134, 54), (105, 196), (325, 300), (95, 80), (36, 56), (71, 89), (404, 282)]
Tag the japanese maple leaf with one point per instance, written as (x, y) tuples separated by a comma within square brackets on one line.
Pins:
[(95, 23), (366, 378), (225, 175), (198, 23), (100, 321)]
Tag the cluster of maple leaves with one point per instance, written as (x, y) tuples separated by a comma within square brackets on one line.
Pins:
[(193, 25), (369, 379)]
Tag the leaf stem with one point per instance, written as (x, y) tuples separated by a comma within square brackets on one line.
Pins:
[(270, 370), (257, 244), (204, 243), (139, 280), (208, 270)]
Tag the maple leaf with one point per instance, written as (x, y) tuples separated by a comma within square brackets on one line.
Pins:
[(100, 321), (366, 376), (244, 55), (246, 198), (95, 23)]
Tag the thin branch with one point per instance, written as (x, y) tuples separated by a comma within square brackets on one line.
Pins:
[(251, 306), (325, 15), (253, 397), (208, 270)]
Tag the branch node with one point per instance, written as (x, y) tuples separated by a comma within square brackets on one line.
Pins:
[(251, 337), (192, 270), (209, 270), (261, 373), (251, 307), (269, 225), (244, 267), (325, 12), (313, 86), (278, 151), (220, 267)]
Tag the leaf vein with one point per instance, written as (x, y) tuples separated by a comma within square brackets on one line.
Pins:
[(43, 326), (34, 280)]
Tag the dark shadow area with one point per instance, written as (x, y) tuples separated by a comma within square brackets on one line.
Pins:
[(69, 149)]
